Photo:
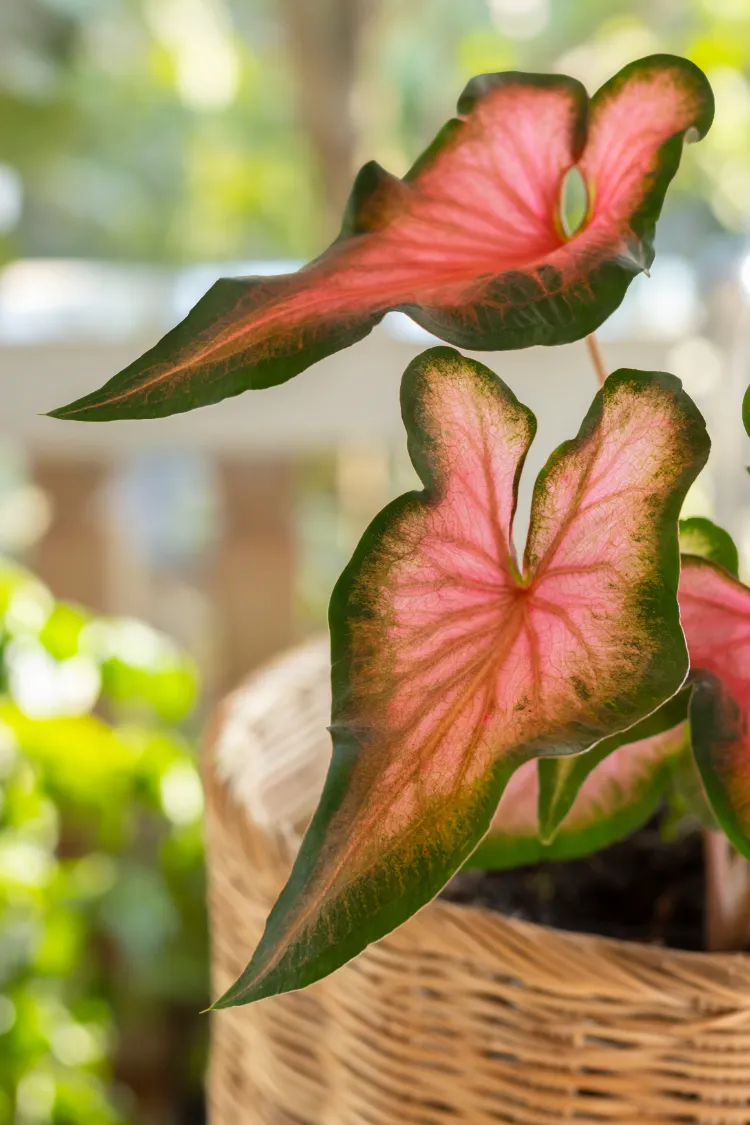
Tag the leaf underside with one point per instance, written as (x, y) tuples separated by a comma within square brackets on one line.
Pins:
[(593, 800), (715, 609), (453, 664), (471, 242)]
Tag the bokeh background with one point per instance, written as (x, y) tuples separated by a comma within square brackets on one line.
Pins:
[(146, 148)]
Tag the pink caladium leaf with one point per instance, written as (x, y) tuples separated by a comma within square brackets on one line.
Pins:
[(715, 611), (566, 808), (452, 663), (641, 773), (471, 243)]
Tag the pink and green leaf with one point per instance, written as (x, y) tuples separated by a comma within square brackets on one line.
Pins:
[(560, 779), (471, 243), (715, 611), (452, 666), (566, 808)]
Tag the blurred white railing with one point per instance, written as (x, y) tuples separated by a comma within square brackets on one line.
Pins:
[(66, 327)]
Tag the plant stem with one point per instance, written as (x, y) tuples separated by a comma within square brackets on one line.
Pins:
[(727, 875), (597, 359)]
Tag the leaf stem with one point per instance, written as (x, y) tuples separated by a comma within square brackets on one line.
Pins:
[(597, 359)]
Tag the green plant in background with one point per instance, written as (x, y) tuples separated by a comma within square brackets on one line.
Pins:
[(180, 130), (103, 959)]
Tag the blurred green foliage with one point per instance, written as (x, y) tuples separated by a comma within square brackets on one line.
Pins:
[(167, 130), (103, 958)]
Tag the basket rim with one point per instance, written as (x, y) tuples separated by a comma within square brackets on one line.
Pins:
[(602, 941), (219, 792), (470, 931)]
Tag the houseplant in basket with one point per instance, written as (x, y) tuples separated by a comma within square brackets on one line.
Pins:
[(496, 710)]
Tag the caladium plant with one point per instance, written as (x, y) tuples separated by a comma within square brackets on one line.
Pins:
[(490, 709), (454, 662), (471, 243)]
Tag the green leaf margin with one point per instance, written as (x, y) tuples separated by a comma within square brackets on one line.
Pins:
[(517, 309), (385, 904)]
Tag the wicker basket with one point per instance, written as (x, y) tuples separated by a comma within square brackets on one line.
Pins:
[(461, 1016)]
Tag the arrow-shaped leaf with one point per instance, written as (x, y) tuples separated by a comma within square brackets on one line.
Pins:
[(471, 243), (452, 664)]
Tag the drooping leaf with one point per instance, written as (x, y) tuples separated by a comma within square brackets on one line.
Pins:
[(471, 242), (619, 787), (452, 665), (700, 536), (715, 611)]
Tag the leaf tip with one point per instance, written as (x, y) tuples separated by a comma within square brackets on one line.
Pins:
[(67, 413), (229, 999)]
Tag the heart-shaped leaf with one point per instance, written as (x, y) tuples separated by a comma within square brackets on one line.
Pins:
[(471, 243), (715, 611), (452, 665), (616, 787)]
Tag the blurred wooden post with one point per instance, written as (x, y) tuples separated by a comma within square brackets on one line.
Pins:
[(325, 40), (253, 573), (71, 557)]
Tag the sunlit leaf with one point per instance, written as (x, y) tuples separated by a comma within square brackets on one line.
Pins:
[(80, 754), (142, 668), (25, 602), (453, 664), (471, 242), (700, 536), (715, 610), (62, 630), (170, 692)]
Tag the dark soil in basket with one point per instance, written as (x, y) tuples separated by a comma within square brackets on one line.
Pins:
[(641, 889)]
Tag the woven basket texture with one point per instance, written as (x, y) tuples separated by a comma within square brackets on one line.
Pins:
[(462, 1016)]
